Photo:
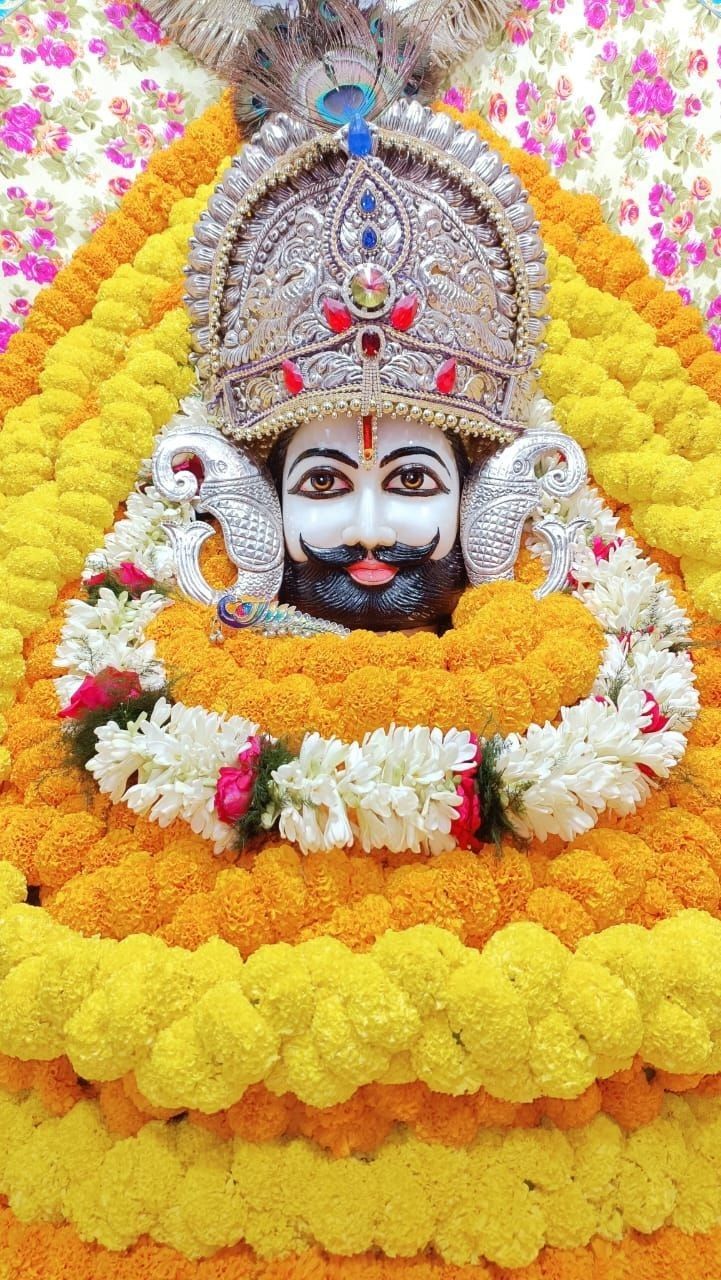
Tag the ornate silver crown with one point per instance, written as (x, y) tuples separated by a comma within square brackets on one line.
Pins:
[(392, 267)]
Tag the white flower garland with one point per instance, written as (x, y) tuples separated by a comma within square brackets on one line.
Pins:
[(399, 789)]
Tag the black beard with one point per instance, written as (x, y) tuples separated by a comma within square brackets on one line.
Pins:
[(423, 591)]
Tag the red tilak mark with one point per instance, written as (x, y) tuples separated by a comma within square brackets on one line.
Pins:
[(446, 377), (404, 311), (338, 318), (367, 424), (292, 377)]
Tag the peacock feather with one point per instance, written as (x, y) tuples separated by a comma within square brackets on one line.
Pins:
[(330, 61), (377, 51)]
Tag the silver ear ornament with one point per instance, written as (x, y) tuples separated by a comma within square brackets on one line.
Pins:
[(498, 497), (238, 491)]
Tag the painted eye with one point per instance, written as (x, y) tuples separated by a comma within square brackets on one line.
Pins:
[(322, 482), (414, 480)]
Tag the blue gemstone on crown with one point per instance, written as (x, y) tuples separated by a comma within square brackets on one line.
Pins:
[(369, 238), (368, 202), (360, 138)]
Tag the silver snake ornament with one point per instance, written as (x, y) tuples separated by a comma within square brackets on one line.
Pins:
[(502, 491), (239, 492)]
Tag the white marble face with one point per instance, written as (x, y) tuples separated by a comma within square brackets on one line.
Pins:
[(410, 496)]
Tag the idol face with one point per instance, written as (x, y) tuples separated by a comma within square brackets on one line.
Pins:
[(374, 547)]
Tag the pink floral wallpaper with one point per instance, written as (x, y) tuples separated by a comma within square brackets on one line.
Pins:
[(621, 97), (87, 93)]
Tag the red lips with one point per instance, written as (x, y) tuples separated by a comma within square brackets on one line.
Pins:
[(371, 572)]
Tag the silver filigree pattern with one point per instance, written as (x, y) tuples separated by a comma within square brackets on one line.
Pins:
[(447, 223), (238, 491), (498, 497)]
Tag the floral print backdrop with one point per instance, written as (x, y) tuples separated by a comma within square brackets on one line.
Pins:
[(621, 97), (87, 93)]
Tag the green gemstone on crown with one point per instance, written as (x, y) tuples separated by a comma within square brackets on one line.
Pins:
[(369, 288)]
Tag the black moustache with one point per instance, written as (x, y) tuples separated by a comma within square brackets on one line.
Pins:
[(400, 554)]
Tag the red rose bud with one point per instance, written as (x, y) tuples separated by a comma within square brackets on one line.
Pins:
[(602, 549), (104, 690), (96, 580), (657, 720), (234, 788), (130, 576)]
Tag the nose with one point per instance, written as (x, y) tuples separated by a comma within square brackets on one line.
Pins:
[(366, 526)]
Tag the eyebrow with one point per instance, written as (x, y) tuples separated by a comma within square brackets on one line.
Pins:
[(323, 453), (408, 450)]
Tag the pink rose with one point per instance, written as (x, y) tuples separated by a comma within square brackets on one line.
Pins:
[(455, 97), (589, 114), (119, 186), (9, 269), (120, 107), (42, 238), (602, 549), (173, 129), (582, 145), (54, 138), (130, 576), (57, 21), (17, 139), (564, 88), (23, 26), (17, 193), (98, 47), (659, 195), (646, 63), (144, 137), (656, 719), (6, 75), (714, 333), (519, 29), (468, 815), (117, 154), (175, 102), (638, 98), (54, 53), (698, 62), (651, 134), (696, 252), (715, 308), (701, 188), (144, 27), (22, 117), (6, 332), (149, 86), (629, 211), (662, 96), (43, 92), (116, 14), (692, 105), (685, 295), (9, 242), (234, 788), (497, 107), (681, 222), (533, 147), (546, 122), (596, 15), (104, 690), (42, 270), (609, 52), (558, 152), (665, 256), (20, 307)]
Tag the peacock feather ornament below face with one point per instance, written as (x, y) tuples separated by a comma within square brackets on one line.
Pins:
[(368, 274)]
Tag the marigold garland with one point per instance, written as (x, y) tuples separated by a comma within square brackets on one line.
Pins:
[(171, 175), (516, 660), (54, 1252), (319, 1021), (503, 1197)]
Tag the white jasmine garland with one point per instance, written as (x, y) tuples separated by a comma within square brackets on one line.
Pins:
[(397, 789)]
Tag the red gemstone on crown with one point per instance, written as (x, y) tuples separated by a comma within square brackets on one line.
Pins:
[(338, 318), (405, 311), (292, 377), (370, 343), (446, 377)]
